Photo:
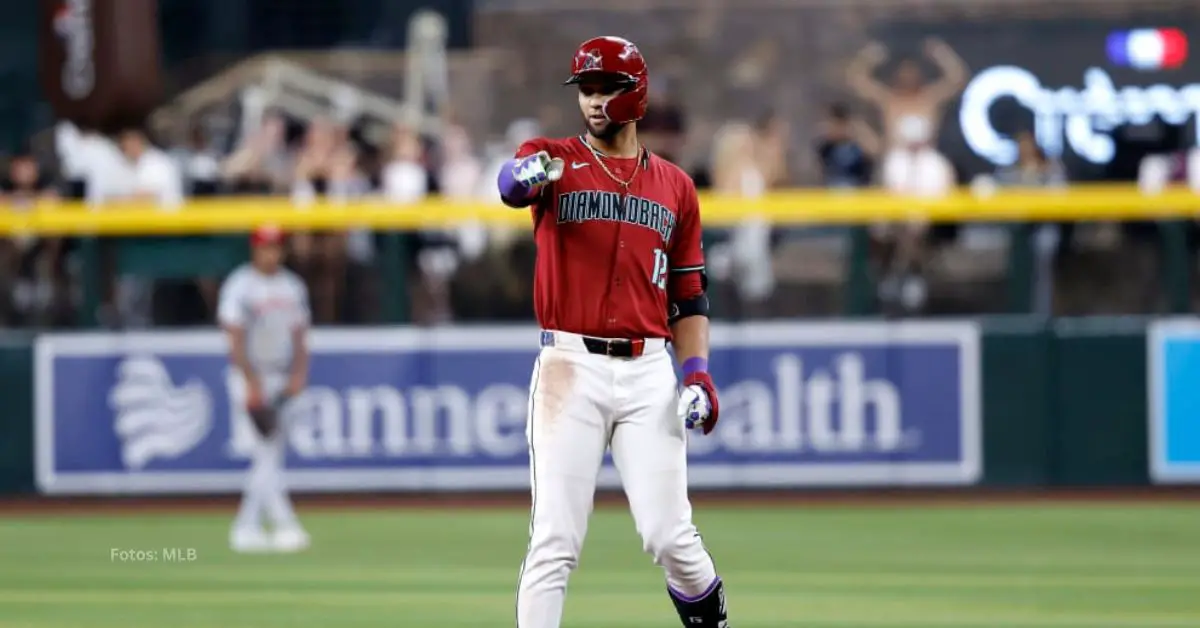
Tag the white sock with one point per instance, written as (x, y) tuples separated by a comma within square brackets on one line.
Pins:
[(256, 489), (278, 503)]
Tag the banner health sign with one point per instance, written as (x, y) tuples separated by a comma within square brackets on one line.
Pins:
[(440, 410), (1174, 369)]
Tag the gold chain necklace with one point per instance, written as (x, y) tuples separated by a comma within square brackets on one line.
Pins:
[(599, 157)]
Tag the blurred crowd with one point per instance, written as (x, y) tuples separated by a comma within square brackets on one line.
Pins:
[(887, 135), (304, 160)]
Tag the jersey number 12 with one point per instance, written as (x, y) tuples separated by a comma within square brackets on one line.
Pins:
[(659, 276)]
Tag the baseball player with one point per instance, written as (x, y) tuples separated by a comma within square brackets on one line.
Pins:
[(619, 274), (264, 310)]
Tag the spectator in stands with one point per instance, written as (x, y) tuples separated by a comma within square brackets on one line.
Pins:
[(736, 168), (847, 149), (745, 257), (73, 159), (908, 97), (815, 255), (189, 303), (1192, 169), (200, 164), (1191, 178), (261, 164), (142, 173), (460, 168), (458, 177), (406, 181), (1034, 169), (25, 184), (151, 176), (913, 168), (93, 166), (518, 132), (33, 277), (664, 127), (352, 257), (323, 157), (346, 178), (325, 167), (772, 138), (500, 284), (157, 178)]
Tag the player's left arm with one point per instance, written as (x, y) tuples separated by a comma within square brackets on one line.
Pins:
[(688, 316), (298, 377)]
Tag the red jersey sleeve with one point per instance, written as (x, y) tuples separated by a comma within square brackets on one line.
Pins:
[(686, 252), (532, 146)]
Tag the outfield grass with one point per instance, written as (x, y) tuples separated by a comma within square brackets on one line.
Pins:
[(981, 567)]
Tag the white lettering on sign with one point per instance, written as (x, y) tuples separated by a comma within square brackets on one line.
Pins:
[(73, 23), (1067, 117), (831, 410), (372, 421)]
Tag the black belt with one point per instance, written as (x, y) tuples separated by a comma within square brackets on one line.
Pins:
[(615, 348)]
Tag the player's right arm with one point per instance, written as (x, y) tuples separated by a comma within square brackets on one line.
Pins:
[(231, 314), (522, 178)]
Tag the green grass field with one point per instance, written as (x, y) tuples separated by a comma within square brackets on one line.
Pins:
[(825, 567)]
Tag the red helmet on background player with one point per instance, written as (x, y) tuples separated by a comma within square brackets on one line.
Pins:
[(621, 58), (266, 235)]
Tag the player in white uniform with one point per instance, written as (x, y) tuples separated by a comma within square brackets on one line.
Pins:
[(265, 312)]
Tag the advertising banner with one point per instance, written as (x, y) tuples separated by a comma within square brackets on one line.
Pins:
[(396, 409), (1173, 366)]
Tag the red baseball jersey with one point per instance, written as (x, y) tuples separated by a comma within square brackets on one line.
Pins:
[(609, 262)]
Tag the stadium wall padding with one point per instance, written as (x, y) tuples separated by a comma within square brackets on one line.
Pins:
[(1064, 404), (16, 427)]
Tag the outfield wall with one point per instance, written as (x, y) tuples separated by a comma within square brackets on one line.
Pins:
[(1013, 403)]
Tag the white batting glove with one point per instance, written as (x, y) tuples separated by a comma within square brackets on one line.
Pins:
[(538, 169), (694, 408)]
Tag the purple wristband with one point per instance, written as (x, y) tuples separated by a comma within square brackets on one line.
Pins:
[(512, 192), (695, 365)]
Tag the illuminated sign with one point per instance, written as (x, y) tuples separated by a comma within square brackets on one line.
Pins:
[(73, 23), (1068, 118), (1148, 49)]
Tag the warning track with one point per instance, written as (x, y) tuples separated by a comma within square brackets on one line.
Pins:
[(890, 498)]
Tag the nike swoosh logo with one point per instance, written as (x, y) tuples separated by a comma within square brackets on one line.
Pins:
[(576, 165)]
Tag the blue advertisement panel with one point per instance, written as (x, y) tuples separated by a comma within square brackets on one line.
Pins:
[(1173, 361), (396, 409)]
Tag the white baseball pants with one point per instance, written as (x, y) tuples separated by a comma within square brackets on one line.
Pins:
[(580, 404), (265, 496)]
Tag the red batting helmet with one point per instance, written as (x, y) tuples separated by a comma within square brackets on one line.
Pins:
[(619, 57)]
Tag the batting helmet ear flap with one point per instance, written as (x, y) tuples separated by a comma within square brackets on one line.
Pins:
[(629, 105)]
